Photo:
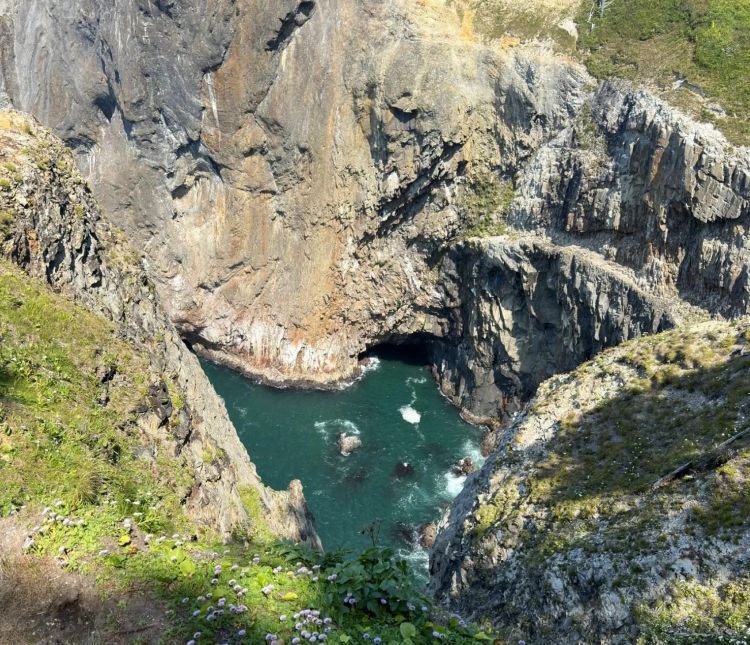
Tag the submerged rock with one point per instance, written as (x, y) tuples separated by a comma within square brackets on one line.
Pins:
[(348, 443), (404, 532), (403, 469), (357, 477)]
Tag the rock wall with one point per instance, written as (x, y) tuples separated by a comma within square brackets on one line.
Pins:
[(650, 189), (614, 509), (526, 310), (300, 200), (55, 232)]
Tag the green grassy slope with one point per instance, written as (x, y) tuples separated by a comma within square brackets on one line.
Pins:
[(81, 471), (706, 42)]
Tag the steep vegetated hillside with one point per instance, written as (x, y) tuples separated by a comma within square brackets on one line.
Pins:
[(129, 512), (617, 505)]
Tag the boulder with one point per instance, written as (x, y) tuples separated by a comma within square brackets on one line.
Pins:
[(463, 467), (348, 443), (427, 535)]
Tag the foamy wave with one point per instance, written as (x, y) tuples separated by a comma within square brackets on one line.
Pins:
[(326, 428), (412, 497), (453, 484), (418, 558), (241, 411), (421, 380), (471, 450), (410, 415), (373, 363)]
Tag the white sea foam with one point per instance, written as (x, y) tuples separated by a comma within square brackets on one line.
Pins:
[(471, 450), (453, 484), (373, 363), (242, 411), (409, 414), (421, 380), (334, 426), (417, 557)]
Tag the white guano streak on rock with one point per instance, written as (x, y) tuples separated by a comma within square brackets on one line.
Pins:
[(212, 97)]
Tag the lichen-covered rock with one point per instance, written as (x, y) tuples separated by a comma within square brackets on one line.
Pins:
[(52, 228), (617, 505)]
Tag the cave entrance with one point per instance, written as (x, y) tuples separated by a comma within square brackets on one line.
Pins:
[(402, 474), (415, 349)]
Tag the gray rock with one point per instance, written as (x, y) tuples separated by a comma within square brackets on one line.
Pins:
[(348, 443)]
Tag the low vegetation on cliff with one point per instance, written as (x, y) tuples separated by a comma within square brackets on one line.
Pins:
[(700, 46), (627, 479), (100, 540), (696, 53)]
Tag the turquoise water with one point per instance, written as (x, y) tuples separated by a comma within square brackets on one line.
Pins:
[(400, 417)]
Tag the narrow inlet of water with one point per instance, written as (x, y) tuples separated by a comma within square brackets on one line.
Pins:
[(400, 478)]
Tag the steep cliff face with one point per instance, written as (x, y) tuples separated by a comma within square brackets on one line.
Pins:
[(640, 184), (527, 310), (299, 200), (615, 509), (292, 192), (52, 228)]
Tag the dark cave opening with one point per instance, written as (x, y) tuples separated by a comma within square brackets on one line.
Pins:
[(415, 349)]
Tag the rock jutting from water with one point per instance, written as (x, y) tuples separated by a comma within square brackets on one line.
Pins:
[(348, 443)]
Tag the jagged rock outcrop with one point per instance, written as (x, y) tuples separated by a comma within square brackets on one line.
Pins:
[(348, 443), (53, 229), (615, 509), (299, 200), (650, 189), (526, 310)]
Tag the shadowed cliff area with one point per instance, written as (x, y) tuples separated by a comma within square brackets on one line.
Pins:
[(616, 505)]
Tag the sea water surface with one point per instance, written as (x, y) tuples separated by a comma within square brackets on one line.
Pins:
[(399, 479)]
